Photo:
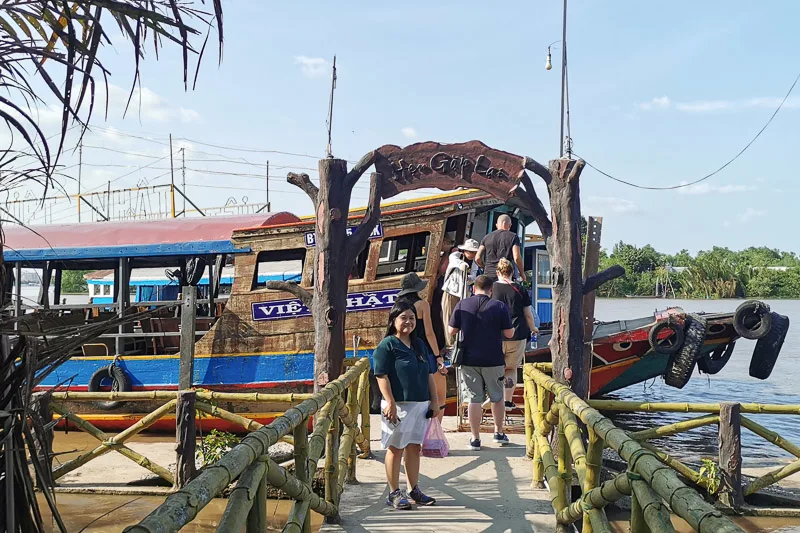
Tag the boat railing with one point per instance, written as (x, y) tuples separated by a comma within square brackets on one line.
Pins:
[(651, 476), (338, 404), (113, 305)]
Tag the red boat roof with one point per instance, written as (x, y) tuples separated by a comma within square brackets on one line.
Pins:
[(195, 236)]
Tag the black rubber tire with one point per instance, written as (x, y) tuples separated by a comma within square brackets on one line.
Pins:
[(769, 347), (120, 382), (715, 361), (752, 320), (681, 364), (676, 338)]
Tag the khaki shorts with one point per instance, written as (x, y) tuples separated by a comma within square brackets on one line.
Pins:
[(514, 351), (478, 382)]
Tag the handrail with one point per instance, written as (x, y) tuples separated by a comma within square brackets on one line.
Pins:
[(249, 463), (647, 480)]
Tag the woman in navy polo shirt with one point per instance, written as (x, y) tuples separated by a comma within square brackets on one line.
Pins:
[(404, 377)]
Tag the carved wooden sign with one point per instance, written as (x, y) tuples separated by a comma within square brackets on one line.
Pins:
[(448, 167)]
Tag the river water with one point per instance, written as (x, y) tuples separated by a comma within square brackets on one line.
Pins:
[(733, 383)]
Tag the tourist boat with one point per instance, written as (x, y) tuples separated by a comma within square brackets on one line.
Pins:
[(261, 340)]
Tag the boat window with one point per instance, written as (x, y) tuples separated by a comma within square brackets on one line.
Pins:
[(360, 265), (406, 253), (106, 290), (543, 269), (278, 265)]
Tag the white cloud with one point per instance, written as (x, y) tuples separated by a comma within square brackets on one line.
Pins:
[(708, 188), (189, 115), (711, 106), (600, 204), (660, 102), (409, 132), (145, 104), (750, 213), (312, 67)]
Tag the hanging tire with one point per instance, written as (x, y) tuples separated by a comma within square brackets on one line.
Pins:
[(120, 382), (715, 361), (752, 319), (681, 364), (769, 347), (671, 344)]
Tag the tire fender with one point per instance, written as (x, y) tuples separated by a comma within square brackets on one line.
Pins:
[(120, 382)]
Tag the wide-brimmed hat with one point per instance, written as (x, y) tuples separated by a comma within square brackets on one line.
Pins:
[(470, 245), (411, 283)]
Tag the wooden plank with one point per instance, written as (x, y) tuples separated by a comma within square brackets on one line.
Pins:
[(188, 315), (185, 438), (730, 455), (591, 265)]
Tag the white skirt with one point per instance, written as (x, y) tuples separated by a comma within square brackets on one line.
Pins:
[(410, 428)]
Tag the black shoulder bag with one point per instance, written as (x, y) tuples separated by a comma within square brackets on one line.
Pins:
[(458, 347)]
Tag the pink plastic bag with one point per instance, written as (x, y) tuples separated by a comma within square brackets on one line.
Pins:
[(435, 443)]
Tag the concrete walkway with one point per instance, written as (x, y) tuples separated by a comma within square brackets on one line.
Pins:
[(488, 490)]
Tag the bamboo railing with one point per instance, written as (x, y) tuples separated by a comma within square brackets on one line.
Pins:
[(336, 406), (550, 406), (651, 478)]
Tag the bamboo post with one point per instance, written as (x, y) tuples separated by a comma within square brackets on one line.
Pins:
[(188, 322), (542, 397), (564, 467), (301, 470), (257, 517), (597, 522), (552, 473), (366, 450), (185, 438), (353, 409), (238, 513), (528, 397), (652, 514), (594, 464), (296, 521), (332, 467), (575, 442), (638, 525), (730, 455)]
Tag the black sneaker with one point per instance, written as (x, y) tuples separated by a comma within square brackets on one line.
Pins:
[(420, 498), (398, 500), (501, 439), (510, 406), (475, 444)]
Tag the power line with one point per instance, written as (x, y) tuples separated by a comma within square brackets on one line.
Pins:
[(742, 151)]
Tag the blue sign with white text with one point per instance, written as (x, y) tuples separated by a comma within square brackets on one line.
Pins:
[(356, 301), (377, 233)]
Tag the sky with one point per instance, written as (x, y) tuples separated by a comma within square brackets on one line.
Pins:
[(660, 94)]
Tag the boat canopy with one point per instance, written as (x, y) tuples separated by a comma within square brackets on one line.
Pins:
[(106, 242)]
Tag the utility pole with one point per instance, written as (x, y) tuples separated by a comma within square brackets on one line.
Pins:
[(108, 201), (80, 168), (183, 179), (269, 208), (172, 179), (562, 141), (329, 151)]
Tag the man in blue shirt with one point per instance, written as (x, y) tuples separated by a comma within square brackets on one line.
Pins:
[(485, 323)]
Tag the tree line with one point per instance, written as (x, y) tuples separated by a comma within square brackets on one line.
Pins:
[(716, 273)]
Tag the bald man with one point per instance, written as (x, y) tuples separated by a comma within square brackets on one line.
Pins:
[(499, 244)]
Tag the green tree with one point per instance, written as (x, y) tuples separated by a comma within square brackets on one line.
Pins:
[(72, 282)]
